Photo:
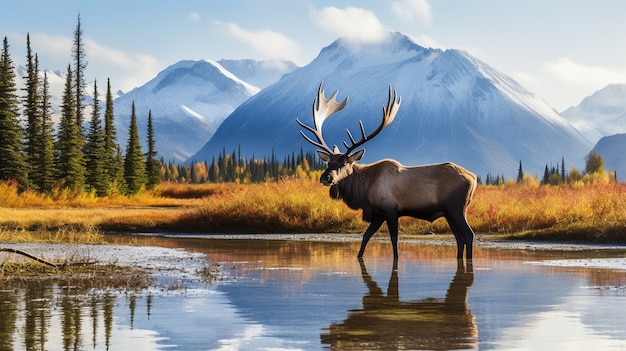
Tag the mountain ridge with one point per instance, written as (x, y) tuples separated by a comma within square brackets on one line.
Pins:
[(455, 108)]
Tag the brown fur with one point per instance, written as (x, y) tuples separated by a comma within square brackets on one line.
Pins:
[(387, 190)]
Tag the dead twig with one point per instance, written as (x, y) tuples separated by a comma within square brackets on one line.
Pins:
[(41, 260)]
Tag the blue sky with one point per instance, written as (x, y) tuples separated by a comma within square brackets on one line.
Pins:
[(563, 50)]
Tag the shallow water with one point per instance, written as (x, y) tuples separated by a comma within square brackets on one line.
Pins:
[(312, 295)]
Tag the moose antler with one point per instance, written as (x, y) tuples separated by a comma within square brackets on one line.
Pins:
[(322, 109), (389, 113)]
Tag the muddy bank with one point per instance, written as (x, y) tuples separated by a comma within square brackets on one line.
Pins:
[(150, 258)]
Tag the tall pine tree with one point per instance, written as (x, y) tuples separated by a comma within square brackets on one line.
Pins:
[(12, 163), (153, 166), (45, 162), (113, 162), (31, 112), (80, 65), (70, 156), (95, 153), (134, 163)]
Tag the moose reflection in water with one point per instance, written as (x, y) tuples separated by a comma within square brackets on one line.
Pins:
[(386, 322)]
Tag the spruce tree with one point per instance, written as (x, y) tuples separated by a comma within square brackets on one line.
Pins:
[(80, 66), (153, 167), (134, 163), (95, 153), (31, 112), (113, 163), (70, 156), (45, 161), (12, 163), (520, 173)]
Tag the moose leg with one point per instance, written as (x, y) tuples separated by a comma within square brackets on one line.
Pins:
[(464, 236), (373, 228), (392, 225)]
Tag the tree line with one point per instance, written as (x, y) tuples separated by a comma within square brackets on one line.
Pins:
[(77, 157), (557, 174), (233, 167)]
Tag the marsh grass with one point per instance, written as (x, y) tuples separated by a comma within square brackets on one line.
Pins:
[(590, 212)]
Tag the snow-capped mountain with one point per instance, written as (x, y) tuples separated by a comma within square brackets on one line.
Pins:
[(601, 114), (188, 100), (259, 73), (56, 85), (454, 108)]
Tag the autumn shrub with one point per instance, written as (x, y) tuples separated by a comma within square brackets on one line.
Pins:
[(285, 206)]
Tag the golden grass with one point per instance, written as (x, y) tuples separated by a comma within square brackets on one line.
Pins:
[(594, 212)]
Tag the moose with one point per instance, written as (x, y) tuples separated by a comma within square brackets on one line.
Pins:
[(387, 190)]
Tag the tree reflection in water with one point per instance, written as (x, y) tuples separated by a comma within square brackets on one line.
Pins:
[(33, 311), (387, 323)]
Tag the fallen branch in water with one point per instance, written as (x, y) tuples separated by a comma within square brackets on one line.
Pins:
[(41, 260)]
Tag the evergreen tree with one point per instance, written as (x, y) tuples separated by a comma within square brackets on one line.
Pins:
[(134, 164), (520, 173), (44, 165), (12, 163), (113, 162), (80, 65), (563, 170), (96, 176), (546, 176), (70, 156), (31, 111), (153, 167)]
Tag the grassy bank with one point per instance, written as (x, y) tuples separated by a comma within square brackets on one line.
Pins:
[(593, 212)]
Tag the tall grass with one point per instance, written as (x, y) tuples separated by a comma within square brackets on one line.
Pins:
[(582, 212)]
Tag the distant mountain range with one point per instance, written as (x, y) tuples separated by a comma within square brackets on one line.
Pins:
[(454, 108), (190, 99)]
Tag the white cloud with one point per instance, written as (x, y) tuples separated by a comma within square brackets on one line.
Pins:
[(408, 10), (268, 43), (426, 41), (351, 23), (194, 17), (126, 70), (130, 69), (568, 71), (54, 45), (564, 83)]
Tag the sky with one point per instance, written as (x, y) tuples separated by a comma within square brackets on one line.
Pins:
[(562, 50)]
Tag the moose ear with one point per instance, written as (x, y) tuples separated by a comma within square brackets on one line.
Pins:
[(323, 155), (356, 156)]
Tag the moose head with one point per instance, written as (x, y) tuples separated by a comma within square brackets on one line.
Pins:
[(340, 164)]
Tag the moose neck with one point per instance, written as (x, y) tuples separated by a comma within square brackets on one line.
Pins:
[(353, 189)]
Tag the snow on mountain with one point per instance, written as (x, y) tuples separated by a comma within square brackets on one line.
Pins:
[(611, 148), (188, 100), (601, 114), (259, 73), (56, 85), (454, 108)]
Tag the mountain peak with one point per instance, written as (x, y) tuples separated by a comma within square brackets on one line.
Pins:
[(454, 108), (601, 114)]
